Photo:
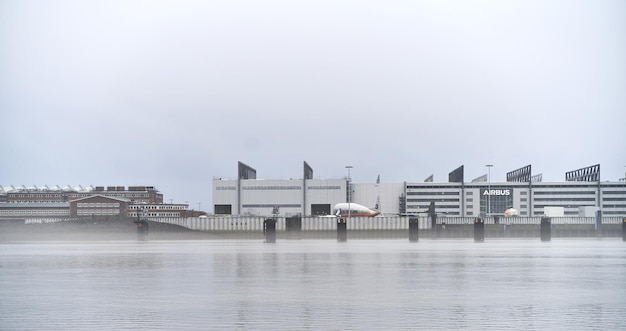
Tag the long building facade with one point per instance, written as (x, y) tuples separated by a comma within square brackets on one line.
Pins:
[(250, 196), (534, 199), (284, 197), (79, 202), (136, 194)]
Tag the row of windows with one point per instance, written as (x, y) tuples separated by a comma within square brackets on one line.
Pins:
[(35, 201), (286, 205), (541, 192), (570, 206), (427, 187), (494, 206), (35, 212), (495, 201), (324, 187), (437, 207), (565, 200), (566, 186), (499, 186), (563, 192), (83, 212), (432, 193), (160, 207), (78, 195), (98, 204), (41, 195), (534, 187), (272, 187), (156, 214), (435, 200), (614, 206), (318, 187)]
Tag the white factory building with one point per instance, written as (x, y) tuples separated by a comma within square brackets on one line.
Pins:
[(582, 194)]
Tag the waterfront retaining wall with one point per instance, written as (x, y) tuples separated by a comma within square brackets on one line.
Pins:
[(446, 227)]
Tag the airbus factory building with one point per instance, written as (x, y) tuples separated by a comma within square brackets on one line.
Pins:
[(581, 194)]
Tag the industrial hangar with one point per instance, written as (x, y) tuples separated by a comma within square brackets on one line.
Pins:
[(581, 194)]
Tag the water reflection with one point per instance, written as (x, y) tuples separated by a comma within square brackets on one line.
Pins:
[(300, 284)]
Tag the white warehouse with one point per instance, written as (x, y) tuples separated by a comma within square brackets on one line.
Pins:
[(307, 196)]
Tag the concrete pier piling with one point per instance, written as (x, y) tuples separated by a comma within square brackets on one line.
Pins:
[(293, 225), (342, 229), (546, 229), (413, 229), (142, 229), (479, 229), (269, 230)]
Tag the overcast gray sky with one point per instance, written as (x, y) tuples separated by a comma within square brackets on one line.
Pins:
[(174, 93)]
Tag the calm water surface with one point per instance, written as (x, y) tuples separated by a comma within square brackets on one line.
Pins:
[(314, 284)]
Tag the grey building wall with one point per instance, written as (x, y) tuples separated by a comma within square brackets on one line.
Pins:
[(451, 199)]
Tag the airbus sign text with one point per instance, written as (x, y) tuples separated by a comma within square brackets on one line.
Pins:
[(497, 192)]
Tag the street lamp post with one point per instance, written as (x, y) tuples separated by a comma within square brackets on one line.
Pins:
[(489, 188), (349, 191)]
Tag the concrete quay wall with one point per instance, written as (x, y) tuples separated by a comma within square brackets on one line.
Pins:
[(390, 227)]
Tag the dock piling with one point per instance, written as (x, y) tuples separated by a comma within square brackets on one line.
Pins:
[(293, 224), (342, 229), (546, 225), (479, 229), (269, 230), (413, 229), (142, 229)]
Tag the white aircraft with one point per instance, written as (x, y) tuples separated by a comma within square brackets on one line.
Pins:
[(511, 212), (355, 210)]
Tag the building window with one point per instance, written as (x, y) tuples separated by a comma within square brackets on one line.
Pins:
[(324, 187)]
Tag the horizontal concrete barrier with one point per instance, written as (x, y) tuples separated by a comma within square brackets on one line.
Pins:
[(446, 226)]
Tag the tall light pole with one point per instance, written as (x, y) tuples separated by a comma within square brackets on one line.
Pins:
[(489, 188), (349, 191)]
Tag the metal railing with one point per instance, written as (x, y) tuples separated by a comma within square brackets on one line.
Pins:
[(255, 223)]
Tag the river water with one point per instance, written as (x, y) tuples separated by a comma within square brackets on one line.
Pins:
[(314, 285)]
